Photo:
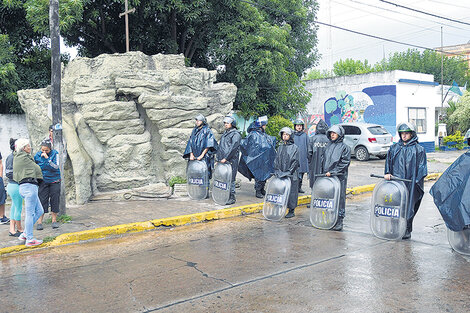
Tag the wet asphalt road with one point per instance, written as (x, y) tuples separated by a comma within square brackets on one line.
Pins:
[(247, 264)]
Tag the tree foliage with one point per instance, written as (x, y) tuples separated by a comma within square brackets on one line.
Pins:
[(428, 62), (263, 48), (460, 118), (24, 55)]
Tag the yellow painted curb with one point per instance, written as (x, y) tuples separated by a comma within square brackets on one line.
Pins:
[(104, 232)]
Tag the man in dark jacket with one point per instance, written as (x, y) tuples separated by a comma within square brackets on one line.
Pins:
[(336, 163), (286, 164), (229, 150), (301, 141), (407, 159), (201, 144), (258, 154), (316, 150)]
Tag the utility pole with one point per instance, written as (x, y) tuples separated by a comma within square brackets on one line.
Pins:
[(126, 13), (441, 115), (55, 94)]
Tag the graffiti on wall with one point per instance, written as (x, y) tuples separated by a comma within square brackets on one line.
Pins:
[(375, 105)]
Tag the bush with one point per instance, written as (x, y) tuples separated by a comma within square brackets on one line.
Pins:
[(454, 141), (275, 124), (176, 180)]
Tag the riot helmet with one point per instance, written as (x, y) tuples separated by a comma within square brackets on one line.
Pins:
[(299, 122), (201, 118), (336, 129), (286, 130), (230, 120), (406, 127)]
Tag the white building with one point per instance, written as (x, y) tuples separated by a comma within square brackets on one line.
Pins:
[(385, 98)]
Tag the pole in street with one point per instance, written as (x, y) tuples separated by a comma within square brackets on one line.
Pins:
[(126, 18), (55, 94)]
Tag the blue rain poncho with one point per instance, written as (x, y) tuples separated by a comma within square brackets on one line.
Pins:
[(258, 153), (451, 193), (409, 162), (200, 139)]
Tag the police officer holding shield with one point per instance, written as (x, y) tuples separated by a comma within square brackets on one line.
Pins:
[(336, 162), (316, 150), (286, 164), (201, 144), (229, 150), (407, 159)]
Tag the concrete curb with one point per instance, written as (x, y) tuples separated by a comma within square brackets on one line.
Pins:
[(181, 220)]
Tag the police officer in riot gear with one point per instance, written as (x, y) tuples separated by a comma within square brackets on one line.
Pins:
[(229, 151), (301, 141), (316, 150), (286, 165), (407, 159)]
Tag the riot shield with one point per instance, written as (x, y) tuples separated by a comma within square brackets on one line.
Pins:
[(324, 206), (221, 180), (459, 240), (388, 209), (198, 180), (275, 201)]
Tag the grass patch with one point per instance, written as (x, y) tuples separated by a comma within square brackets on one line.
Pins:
[(49, 238), (61, 219)]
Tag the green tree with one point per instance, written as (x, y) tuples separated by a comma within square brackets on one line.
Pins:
[(8, 77), (429, 62), (275, 124), (263, 49), (351, 67), (461, 116), (317, 74)]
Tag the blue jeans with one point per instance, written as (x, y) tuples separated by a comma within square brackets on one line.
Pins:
[(32, 206)]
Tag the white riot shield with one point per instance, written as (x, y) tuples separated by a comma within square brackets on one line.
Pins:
[(221, 180), (198, 180), (275, 200), (324, 206), (459, 240), (388, 210)]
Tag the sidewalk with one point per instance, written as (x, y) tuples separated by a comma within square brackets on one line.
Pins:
[(99, 214)]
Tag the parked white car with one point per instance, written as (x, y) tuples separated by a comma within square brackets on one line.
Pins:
[(366, 140)]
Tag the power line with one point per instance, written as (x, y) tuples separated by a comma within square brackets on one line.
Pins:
[(350, 30), (452, 4), (423, 12), (402, 13)]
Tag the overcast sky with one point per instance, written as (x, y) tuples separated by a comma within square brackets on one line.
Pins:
[(381, 19)]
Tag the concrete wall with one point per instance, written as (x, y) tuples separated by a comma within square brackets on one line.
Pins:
[(377, 98), (11, 126)]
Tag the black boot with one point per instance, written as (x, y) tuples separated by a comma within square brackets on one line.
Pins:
[(300, 186), (407, 235), (263, 192), (231, 199), (339, 224), (290, 214), (259, 194)]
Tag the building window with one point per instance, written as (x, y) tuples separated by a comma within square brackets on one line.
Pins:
[(417, 116)]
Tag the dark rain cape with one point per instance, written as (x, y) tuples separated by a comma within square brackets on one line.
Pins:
[(200, 139), (301, 141), (336, 161), (286, 164), (451, 194), (229, 149), (258, 154), (316, 150), (409, 162)]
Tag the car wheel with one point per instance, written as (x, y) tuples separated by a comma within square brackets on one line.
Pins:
[(382, 156), (362, 154)]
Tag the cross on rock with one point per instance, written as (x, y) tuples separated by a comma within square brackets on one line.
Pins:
[(126, 13)]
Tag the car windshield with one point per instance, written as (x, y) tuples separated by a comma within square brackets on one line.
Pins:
[(377, 130)]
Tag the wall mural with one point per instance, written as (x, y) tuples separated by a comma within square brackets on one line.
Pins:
[(376, 105)]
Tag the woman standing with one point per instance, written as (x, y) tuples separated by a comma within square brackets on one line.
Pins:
[(13, 190), (49, 189), (28, 174)]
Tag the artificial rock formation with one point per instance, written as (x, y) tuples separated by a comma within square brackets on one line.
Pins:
[(127, 118)]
